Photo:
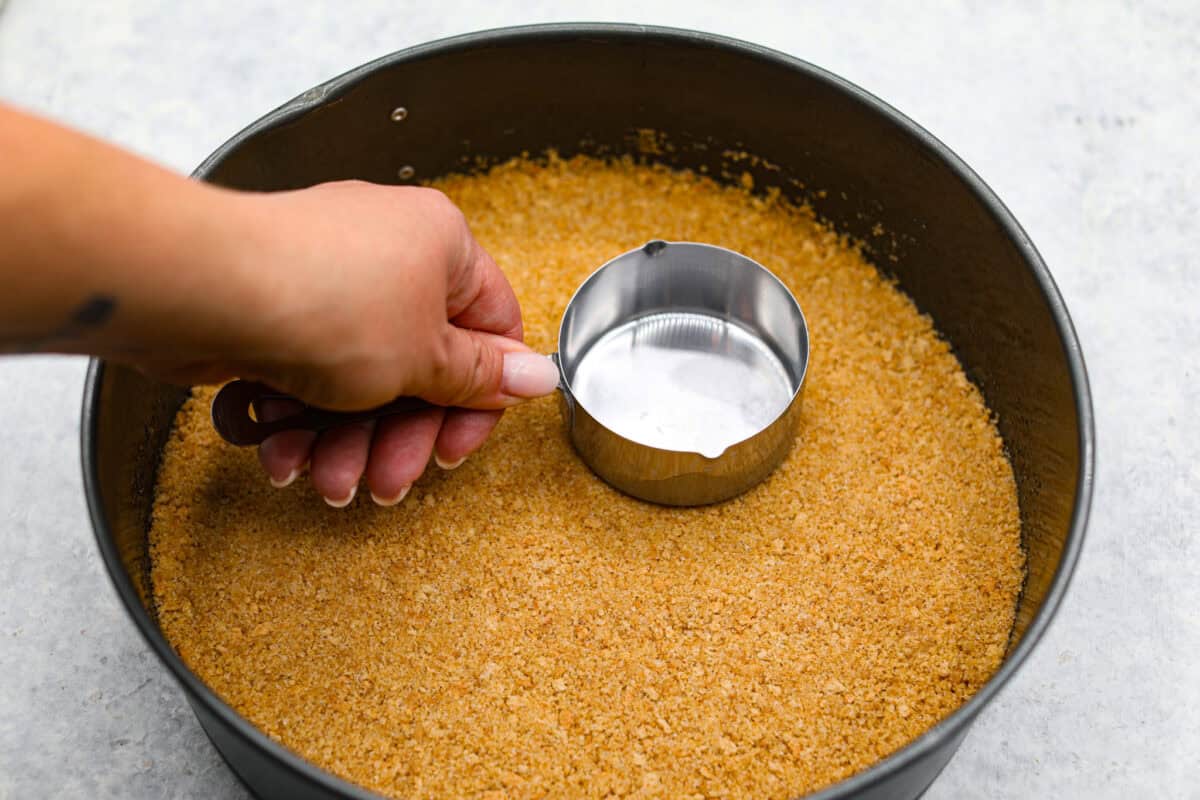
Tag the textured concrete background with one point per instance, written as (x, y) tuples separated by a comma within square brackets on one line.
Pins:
[(1082, 115)]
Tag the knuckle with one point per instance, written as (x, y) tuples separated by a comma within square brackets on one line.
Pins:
[(444, 209), (440, 361), (463, 374), (435, 197), (486, 370), (348, 184), (479, 367)]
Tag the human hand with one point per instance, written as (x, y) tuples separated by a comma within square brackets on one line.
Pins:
[(377, 292), (344, 295)]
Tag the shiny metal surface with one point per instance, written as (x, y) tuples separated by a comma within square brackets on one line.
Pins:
[(683, 382), (682, 368)]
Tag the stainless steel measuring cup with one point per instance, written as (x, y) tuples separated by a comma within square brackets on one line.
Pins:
[(681, 367)]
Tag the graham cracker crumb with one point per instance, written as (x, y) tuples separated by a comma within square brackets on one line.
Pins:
[(517, 629)]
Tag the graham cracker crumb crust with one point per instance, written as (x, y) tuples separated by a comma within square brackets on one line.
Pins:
[(517, 629)]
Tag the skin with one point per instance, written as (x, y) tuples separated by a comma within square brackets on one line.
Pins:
[(344, 295)]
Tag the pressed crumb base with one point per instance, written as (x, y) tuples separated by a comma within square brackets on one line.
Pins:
[(516, 628)]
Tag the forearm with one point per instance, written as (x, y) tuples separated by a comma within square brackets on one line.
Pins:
[(346, 294), (102, 252)]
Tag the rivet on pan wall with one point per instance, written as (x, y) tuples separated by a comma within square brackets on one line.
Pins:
[(406, 172), (399, 113)]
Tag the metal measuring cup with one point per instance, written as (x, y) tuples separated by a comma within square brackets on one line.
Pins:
[(681, 368)]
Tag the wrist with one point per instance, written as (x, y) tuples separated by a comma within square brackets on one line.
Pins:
[(228, 294), (102, 252), (199, 294)]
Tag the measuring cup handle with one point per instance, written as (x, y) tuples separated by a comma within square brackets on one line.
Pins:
[(231, 413)]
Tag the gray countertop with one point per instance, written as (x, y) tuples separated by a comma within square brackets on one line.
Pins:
[(1083, 116)]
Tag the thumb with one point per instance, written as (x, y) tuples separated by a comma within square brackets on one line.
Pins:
[(486, 370)]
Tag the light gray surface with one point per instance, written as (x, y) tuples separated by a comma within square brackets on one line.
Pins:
[(1083, 116)]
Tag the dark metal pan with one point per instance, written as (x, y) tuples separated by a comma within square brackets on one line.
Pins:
[(950, 243)]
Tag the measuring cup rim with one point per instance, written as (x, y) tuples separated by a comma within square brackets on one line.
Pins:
[(652, 248)]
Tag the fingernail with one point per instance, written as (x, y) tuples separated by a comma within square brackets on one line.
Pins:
[(384, 501), (345, 501), (279, 484), (528, 375), (448, 465)]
